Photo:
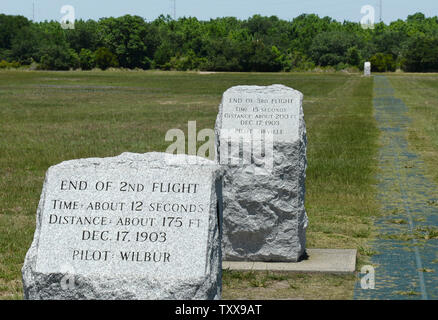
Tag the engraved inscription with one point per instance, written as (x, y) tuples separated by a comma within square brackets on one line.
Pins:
[(100, 222)]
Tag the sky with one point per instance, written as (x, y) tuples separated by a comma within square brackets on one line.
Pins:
[(206, 9)]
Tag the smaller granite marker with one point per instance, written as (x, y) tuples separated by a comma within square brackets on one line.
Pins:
[(136, 226), (367, 69), (264, 214)]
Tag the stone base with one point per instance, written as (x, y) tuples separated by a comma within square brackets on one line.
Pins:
[(318, 260)]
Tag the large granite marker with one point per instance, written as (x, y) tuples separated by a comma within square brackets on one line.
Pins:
[(264, 214), (136, 226)]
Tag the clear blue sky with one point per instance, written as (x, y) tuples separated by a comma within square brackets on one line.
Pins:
[(206, 9)]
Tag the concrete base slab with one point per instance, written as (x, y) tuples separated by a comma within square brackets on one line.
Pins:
[(319, 260)]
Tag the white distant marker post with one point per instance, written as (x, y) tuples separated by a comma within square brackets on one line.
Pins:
[(367, 69)]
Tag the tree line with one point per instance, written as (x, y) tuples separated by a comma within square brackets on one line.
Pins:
[(258, 44)]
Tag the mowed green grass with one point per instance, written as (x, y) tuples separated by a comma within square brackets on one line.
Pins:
[(420, 93), (49, 117)]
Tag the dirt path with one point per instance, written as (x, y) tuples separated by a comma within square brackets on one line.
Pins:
[(406, 259)]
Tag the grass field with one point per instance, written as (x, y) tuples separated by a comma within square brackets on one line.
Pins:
[(420, 93), (48, 117)]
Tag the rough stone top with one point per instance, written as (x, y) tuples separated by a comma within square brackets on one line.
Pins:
[(134, 160)]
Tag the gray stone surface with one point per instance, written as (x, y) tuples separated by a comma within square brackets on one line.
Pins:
[(318, 260), (136, 226), (264, 214), (367, 69)]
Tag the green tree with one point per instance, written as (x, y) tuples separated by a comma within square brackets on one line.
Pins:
[(331, 48), (382, 62), (222, 44), (297, 61), (9, 27), (163, 54), (421, 54), (105, 58), (308, 26), (353, 57), (84, 36), (87, 59), (57, 57), (27, 44), (125, 36)]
